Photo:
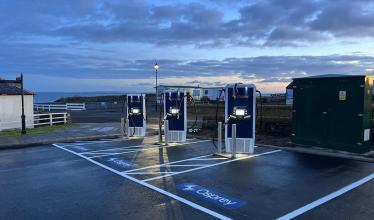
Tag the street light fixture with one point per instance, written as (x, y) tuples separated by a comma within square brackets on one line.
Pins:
[(156, 66)]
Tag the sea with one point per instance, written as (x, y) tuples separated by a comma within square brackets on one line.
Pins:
[(45, 97)]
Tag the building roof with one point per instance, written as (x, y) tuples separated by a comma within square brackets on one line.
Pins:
[(290, 86), (189, 87), (11, 87), (177, 86), (330, 76)]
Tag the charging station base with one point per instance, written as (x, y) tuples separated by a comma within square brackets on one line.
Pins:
[(243, 145), (177, 136), (229, 155), (139, 131)]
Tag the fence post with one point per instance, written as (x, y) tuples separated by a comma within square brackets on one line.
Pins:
[(166, 131), (50, 119), (233, 138), (219, 146)]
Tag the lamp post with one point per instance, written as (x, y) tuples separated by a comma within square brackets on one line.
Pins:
[(23, 117), (156, 66)]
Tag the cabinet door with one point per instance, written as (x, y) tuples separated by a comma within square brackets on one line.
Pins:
[(344, 114), (307, 112)]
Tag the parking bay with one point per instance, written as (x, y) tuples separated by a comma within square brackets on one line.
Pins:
[(267, 186)]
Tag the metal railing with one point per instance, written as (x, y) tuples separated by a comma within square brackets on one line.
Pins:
[(66, 107), (50, 119)]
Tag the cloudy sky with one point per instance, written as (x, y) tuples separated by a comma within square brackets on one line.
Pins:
[(89, 45)]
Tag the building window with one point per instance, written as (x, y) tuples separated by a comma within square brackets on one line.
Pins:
[(196, 92), (206, 92)]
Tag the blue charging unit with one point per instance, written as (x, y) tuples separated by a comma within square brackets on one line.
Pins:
[(175, 111), (240, 109), (136, 114)]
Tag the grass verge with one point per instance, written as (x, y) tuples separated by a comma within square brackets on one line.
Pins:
[(34, 131)]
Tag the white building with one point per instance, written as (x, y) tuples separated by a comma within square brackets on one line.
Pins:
[(214, 93), (197, 92), (11, 106)]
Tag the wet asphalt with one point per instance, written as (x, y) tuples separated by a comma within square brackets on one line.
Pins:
[(46, 182)]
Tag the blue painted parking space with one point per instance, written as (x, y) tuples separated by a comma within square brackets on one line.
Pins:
[(211, 196)]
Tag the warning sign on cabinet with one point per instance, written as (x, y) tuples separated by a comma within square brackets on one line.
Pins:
[(342, 95)]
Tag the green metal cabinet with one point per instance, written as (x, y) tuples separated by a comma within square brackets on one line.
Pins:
[(333, 112)]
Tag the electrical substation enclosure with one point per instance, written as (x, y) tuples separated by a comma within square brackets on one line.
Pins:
[(333, 111)]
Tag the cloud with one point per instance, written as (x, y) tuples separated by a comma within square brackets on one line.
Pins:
[(116, 42), (195, 82), (271, 23), (92, 67), (346, 18)]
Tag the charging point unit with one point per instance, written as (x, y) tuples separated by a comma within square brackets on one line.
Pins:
[(175, 111), (240, 109), (136, 114)]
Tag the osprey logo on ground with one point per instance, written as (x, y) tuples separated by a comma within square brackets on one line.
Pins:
[(189, 187), (119, 162), (211, 196)]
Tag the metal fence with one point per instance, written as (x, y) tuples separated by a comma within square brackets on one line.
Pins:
[(65, 107)]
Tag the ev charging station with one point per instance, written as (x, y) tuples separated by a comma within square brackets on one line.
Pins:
[(240, 118), (136, 115), (175, 112)]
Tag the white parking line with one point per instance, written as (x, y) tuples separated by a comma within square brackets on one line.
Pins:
[(106, 139), (187, 165), (90, 142), (327, 198), (96, 153), (126, 147), (148, 148), (192, 142), (98, 141), (215, 158), (210, 165), (166, 193), (149, 173), (167, 164), (126, 152), (117, 148)]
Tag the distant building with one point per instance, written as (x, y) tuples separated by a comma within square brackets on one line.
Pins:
[(197, 92), (289, 94), (213, 93), (11, 105)]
